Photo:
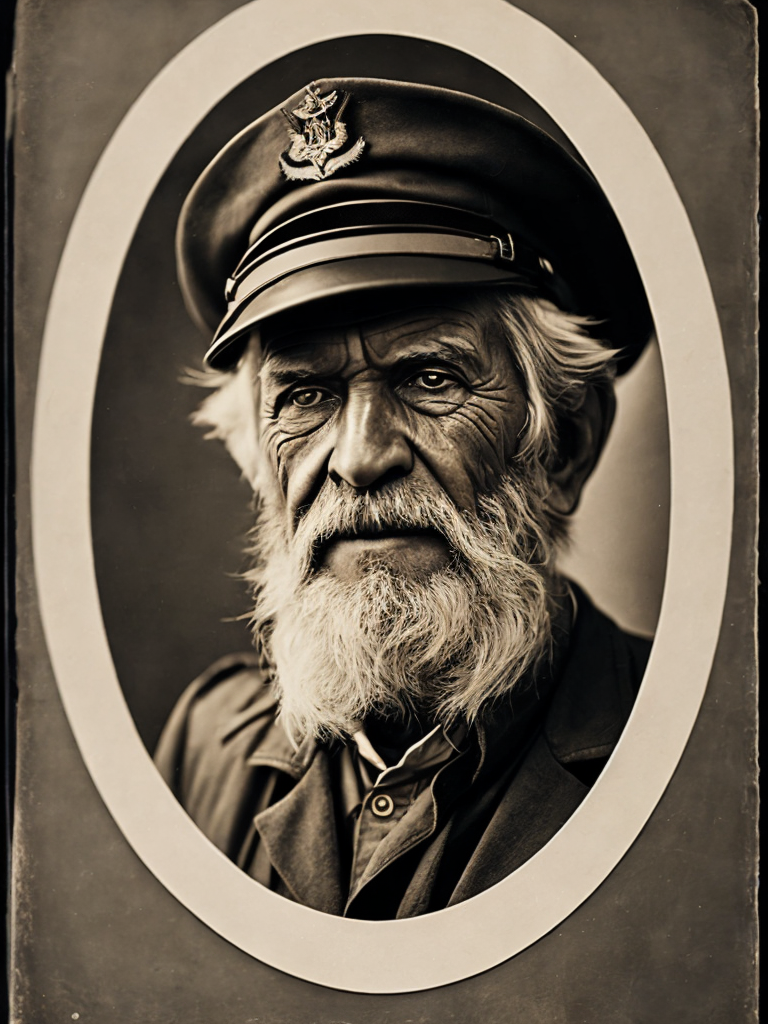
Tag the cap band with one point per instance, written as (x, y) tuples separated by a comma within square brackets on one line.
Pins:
[(272, 268), (369, 215)]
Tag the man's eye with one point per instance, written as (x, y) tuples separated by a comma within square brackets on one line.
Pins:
[(432, 380), (307, 397)]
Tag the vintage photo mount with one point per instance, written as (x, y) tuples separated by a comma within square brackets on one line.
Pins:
[(361, 956)]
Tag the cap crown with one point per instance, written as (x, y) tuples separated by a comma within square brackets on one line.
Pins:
[(363, 141)]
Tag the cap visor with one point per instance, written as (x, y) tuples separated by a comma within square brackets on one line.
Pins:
[(328, 293)]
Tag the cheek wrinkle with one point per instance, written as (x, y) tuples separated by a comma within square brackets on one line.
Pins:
[(484, 416), (478, 427)]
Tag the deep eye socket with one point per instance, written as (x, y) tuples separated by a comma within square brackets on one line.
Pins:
[(307, 398)]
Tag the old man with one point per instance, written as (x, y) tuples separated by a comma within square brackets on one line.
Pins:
[(419, 302)]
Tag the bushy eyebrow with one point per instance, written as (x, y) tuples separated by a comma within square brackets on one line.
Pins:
[(301, 362), (289, 375), (438, 348), (453, 350)]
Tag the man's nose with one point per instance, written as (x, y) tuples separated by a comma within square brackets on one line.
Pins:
[(371, 445)]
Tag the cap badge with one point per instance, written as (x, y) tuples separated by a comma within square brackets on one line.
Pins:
[(316, 135)]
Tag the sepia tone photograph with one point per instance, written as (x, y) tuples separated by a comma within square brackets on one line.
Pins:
[(386, 576)]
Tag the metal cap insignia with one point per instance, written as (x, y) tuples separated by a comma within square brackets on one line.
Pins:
[(316, 135)]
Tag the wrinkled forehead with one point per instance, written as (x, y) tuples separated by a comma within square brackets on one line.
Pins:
[(460, 324)]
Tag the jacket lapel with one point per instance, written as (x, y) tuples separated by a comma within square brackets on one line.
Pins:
[(299, 833), (537, 803), (584, 720)]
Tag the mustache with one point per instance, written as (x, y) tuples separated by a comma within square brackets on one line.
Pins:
[(412, 506), (340, 512)]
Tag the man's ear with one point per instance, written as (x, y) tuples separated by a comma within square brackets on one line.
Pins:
[(581, 434)]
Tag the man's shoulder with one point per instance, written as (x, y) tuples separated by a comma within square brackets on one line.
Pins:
[(231, 686), (625, 652), (599, 684), (231, 698)]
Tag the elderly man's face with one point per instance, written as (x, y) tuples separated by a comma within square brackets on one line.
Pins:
[(431, 394)]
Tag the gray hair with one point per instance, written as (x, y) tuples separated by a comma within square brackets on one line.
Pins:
[(558, 358)]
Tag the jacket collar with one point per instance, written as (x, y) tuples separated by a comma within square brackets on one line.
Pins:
[(301, 837), (270, 747)]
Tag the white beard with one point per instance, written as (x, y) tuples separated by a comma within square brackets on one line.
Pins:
[(442, 646)]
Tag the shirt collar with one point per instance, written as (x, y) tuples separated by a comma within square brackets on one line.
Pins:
[(431, 750)]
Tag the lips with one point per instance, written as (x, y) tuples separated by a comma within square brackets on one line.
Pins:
[(373, 535)]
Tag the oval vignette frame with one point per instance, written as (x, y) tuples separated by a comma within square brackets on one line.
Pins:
[(385, 956)]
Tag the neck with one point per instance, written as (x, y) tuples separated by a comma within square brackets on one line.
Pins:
[(392, 736)]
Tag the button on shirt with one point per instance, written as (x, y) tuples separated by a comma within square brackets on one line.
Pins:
[(376, 798)]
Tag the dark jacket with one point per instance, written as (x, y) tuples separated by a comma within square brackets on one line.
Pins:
[(275, 811)]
